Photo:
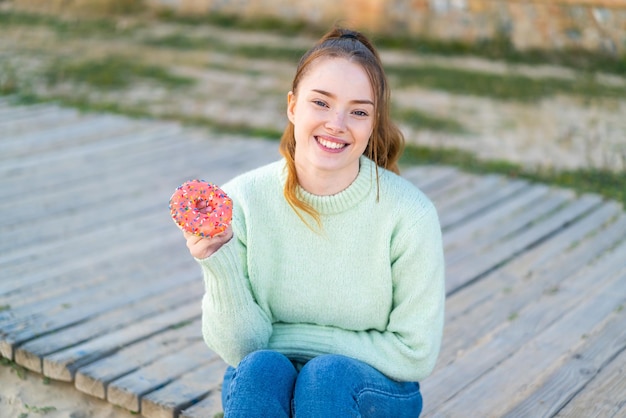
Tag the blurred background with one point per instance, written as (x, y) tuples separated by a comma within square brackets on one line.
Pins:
[(528, 88)]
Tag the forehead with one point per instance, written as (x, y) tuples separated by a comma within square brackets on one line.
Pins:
[(337, 75)]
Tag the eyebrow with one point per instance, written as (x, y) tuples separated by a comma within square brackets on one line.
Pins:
[(332, 96)]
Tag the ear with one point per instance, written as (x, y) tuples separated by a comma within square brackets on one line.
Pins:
[(291, 106)]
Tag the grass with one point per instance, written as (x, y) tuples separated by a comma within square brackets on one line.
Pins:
[(112, 72), (285, 27), (422, 120), (39, 409), (183, 42), (16, 368), (76, 27), (503, 87), (607, 183), (501, 48)]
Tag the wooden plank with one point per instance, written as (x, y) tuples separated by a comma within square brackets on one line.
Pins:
[(559, 244), (209, 407), (598, 353), (460, 182), (429, 178), (496, 231), (70, 212), (61, 285), (508, 295), (24, 329), (129, 390), (72, 134), (113, 185), (480, 202), (78, 153), (185, 391), (536, 359), (495, 298), (92, 270), (480, 187), (483, 261), (22, 325), (22, 170), (63, 364), (28, 118), (508, 308), (28, 252), (604, 396), (79, 218), (424, 174), (95, 377), (65, 164), (533, 268), (488, 232), (128, 278), (187, 288), (78, 252), (168, 193), (528, 347), (494, 217)]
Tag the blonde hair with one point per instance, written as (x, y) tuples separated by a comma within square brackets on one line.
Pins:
[(386, 142)]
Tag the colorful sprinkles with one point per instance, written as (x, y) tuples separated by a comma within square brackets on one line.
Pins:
[(184, 208)]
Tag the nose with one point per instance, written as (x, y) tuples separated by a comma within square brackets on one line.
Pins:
[(336, 122)]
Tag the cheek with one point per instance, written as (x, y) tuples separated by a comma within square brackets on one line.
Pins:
[(365, 133)]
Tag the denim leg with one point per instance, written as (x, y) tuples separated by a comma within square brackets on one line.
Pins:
[(338, 386), (260, 386)]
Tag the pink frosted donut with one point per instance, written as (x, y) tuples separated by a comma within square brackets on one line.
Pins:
[(185, 212)]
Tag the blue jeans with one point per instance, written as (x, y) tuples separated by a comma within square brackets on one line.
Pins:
[(267, 384)]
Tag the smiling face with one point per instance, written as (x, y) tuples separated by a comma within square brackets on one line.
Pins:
[(333, 117)]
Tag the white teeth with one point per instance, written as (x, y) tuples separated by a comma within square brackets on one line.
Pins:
[(329, 144)]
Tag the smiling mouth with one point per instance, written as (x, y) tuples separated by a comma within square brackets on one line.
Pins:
[(330, 144)]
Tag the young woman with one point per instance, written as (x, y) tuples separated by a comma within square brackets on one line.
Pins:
[(326, 295)]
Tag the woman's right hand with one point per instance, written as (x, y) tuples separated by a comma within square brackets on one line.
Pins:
[(201, 248)]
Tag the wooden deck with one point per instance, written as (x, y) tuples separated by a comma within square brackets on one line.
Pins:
[(97, 286)]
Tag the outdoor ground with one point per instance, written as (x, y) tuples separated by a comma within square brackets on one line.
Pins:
[(25, 394)]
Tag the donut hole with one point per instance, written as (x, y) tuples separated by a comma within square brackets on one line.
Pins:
[(203, 206)]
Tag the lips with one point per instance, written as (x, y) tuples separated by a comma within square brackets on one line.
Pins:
[(330, 145)]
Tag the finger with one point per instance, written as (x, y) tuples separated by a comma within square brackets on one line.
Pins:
[(191, 238), (193, 242)]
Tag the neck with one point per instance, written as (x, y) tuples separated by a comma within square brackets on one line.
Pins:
[(325, 183)]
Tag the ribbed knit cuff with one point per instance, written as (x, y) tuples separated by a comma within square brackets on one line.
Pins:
[(226, 285), (302, 340)]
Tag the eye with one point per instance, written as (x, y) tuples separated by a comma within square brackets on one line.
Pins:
[(360, 113), (319, 103)]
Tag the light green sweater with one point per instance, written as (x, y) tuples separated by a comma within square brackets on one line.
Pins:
[(369, 286)]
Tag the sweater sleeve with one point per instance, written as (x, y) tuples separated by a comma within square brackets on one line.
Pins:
[(233, 324), (408, 348)]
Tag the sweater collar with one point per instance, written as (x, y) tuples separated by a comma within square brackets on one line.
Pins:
[(345, 199)]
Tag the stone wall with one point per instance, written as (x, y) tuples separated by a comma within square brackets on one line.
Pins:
[(590, 24)]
